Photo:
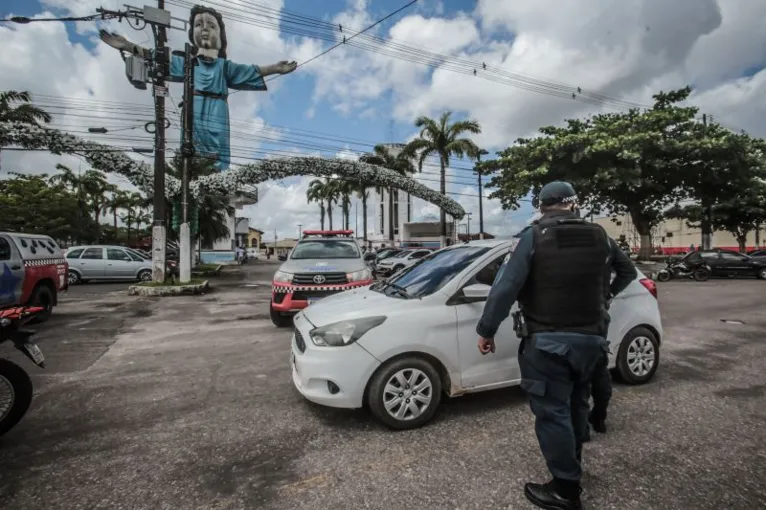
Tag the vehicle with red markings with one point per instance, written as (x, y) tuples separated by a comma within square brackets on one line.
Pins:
[(322, 263), (15, 385), (33, 271)]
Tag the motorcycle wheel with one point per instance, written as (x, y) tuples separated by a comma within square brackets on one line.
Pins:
[(16, 384), (701, 275), (664, 276)]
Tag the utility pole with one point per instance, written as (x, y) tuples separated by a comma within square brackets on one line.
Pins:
[(481, 199), (299, 230), (159, 229), (707, 223), (187, 152)]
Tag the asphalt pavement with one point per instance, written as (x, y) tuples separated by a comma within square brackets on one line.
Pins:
[(188, 403)]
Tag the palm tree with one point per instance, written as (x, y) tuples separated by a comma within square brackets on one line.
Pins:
[(400, 163), (118, 201), (362, 191), (25, 113), (442, 139), (345, 190), (330, 196), (315, 193), (74, 182), (133, 210)]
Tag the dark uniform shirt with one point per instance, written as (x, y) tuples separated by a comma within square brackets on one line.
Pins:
[(513, 275)]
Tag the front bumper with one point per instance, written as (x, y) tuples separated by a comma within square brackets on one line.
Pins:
[(286, 297), (330, 376)]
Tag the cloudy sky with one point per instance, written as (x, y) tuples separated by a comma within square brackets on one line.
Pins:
[(536, 52)]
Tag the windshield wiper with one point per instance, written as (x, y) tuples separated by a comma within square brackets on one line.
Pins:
[(400, 290)]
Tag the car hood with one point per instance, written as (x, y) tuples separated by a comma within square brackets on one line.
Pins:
[(323, 265), (353, 304)]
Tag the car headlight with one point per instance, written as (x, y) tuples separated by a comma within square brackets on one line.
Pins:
[(283, 277), (343, 333), (359, 276)]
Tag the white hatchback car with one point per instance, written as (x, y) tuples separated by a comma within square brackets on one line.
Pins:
[(398, 346)]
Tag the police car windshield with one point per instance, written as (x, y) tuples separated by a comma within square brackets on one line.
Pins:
[(326, 249), (433, 272)]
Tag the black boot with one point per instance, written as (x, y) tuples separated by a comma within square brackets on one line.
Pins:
[(597, 422), (555, 495)]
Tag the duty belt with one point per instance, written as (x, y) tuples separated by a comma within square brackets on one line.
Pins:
[(211, 95)]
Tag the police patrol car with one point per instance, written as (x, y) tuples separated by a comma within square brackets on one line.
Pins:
[(323, 263)]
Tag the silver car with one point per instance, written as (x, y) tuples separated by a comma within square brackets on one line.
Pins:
[(106, 263), (391, 265)]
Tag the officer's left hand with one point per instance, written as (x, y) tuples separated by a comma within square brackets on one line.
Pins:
[(486, 345)]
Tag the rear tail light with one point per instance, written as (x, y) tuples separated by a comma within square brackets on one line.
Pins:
[(650, 286)]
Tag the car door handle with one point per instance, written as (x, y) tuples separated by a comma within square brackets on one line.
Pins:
[(15, 268)]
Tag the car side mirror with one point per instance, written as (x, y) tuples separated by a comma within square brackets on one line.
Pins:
[(476, 292)]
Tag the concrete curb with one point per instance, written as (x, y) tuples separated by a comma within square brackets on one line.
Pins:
[(170, 290), (211, 272)]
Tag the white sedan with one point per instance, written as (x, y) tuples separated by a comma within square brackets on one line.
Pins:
[(397, 347)]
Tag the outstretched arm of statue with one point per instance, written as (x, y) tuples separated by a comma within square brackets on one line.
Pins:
[(118, 42), (282, 67)]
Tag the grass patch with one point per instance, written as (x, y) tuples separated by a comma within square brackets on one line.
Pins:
[(171, 283)]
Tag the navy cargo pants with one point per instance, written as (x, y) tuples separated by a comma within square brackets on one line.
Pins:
[(556, 370)]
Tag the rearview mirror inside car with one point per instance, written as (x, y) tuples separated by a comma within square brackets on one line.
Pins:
[(477, 291)]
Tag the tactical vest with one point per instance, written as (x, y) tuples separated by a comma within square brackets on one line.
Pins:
[(568, 280)]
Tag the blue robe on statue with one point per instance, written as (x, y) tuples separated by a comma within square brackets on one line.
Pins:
[(212, 81)]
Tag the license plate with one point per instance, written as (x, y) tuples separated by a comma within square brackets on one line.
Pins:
[(35, 353)]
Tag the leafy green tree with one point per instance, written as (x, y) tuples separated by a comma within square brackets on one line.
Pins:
[(363, 192), (637, 162), (213, 209), (393, 158), (443, 140), (30, 203)]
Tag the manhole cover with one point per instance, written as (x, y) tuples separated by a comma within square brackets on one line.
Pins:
[(733, 321)]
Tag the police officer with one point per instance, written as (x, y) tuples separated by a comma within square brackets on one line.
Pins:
[(559, 273)]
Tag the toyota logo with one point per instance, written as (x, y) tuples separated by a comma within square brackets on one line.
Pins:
[(319, 278)]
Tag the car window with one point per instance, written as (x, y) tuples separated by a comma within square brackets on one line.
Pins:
[(419, 254), (74, 253), (93, 254), (489, 272), (709, 255), (326, 249), (732, 256), (136, 256), (433, 272), (117, 254), (5, 249)]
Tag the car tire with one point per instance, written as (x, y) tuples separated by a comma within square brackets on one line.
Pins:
[(761, 274), (145, 275), (642, 343), (42, 295), (279, 320), (17, 377), (411, 369), (701, 274), (664, 276), (74, 277)]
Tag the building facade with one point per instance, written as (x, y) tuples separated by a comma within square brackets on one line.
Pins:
[(674, 236)]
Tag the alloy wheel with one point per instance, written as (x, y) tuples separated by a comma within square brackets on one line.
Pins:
[(407, 394), (641, 356)]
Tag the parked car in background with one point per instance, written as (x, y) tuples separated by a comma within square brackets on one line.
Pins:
[(403, 259), (32, 272), (759, 255), (252, 253), (399, 346), (106, 263), (729, 264)]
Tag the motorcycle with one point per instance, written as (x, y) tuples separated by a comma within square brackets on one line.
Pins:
[(678, 269), (15, 385)]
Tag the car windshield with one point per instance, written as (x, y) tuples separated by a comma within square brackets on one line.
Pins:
[(431, 273), (326, 249)]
